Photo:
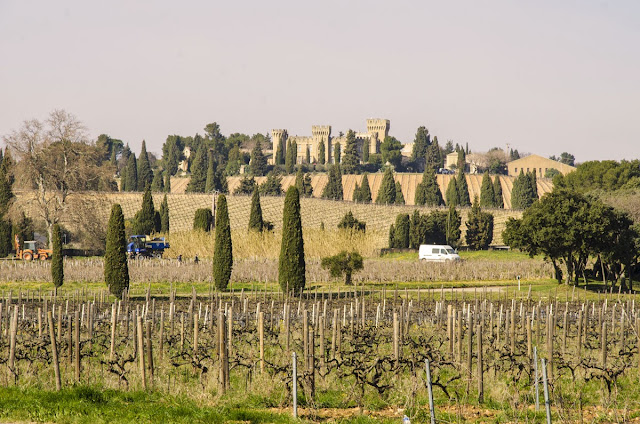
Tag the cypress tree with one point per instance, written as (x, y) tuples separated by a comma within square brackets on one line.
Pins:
[(387, 191), (365, 151), (291, 266), (279, 159), (144, 220), (131, 182), (198, 181), (157, 186), (167, 181), (365, 190), (350, 162), (211, 176), (487, 196), (321, 152), (461, 164), (392, 231), (258, 162), (453, 226), (421, 143), (307, 157), (57, 260), (5, 238), (307, 188), (255, 217), (202, 219), (290, 157), (534, 184), (453, 199), (356, 193), (164, 215), (246, 186), (401, 235), (399, 195), (300, 180), (522, 195), (479, 227), (333, 189), (463, 190), (145, 174), (116, 270), (434, 155), (6, 193), (497, 192), (430, 189), (336, 153), (415, 236), (223, 251)]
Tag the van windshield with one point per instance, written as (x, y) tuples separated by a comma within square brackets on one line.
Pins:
[(451, 251)]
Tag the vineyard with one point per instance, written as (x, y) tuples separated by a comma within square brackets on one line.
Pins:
[(360, 351)]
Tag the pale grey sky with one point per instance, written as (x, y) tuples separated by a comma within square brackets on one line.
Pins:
[(546, 76)]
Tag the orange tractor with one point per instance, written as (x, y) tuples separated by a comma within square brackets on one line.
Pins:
[(30, 252)]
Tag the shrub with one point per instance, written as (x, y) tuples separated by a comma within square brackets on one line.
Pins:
[(202, 219), (349, 222)]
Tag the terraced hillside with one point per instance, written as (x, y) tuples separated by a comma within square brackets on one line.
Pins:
[(182, 209), (409, 182)]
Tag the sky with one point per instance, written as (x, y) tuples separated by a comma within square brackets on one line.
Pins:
[(543, 76)]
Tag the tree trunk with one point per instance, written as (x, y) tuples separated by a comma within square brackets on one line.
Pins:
[(347, 278)]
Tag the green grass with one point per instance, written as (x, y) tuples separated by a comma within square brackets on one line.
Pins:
[(470, 255)]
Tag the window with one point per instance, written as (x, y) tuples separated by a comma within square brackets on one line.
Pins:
[(515, 170), (435, 251)]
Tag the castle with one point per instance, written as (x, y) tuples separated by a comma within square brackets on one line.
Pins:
[(377, 130)]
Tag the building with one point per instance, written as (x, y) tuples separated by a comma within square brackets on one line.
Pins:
[(377, 130), (538, 163)]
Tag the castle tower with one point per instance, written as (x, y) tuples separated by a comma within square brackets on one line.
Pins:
[(378, 129), (279, 137), (320, 133)]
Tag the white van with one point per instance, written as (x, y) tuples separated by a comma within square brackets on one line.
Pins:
[(437, 253)]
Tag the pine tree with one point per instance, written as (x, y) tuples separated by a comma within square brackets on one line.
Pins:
[(428, 192), (291, 266), (157, 186), (336, 153), (333, 189), (350, 161), (290, 157), (145, 174), (144, 220), (164, 215), (116, 270), (211, 176), (463, 190), (399, 195), (198, 181), (387, 191), (258, 162), (57, 260), (223, 250), (453, 198), (202, 220), (522, 195), (497, 193), (131, 182), (487, 196), (279, 158), (255, 217), (365, 190), (401, 235), (365, 151), (479, 227), (321, 152)]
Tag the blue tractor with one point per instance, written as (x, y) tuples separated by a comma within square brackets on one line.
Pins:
[(141, 246)]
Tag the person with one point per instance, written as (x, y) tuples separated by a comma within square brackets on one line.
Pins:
[(196, 260), (179, 258)]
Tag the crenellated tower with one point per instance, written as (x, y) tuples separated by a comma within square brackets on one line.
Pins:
[(320, 133), (279, 137), (378, 129)]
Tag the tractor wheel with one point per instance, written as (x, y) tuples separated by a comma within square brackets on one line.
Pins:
[(43, 257), (27, 256)]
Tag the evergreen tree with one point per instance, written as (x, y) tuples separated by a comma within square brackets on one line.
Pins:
[(463, 190), (258, 160), (415, 230), (333, 189), (167, 182), (157, 186), (364, 191), (401, 235), (387, 191), (307, 156), (255, 217), (487, 196), (349, 222), (428, 192), (420, 145), (144, 220), (220, 181), (350, 161), (522, 195), (5, 237), (307, 188), (479, 227), (113, 159), (290, 158), (534, 183), (497, 193), (223, 250), (202, 219), (279, 158), (453, 227), (246, 186), (211, 176), (453, 198), (164, 215), (145, 174), (392, 232), (116, 270), (131, 181), (365, 151), (198, 181), (57, 260), (336, 153), (399, 195), (462, 161), (272, 186), (343, 263), (6, 193), (291, 266), (321, 152)]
